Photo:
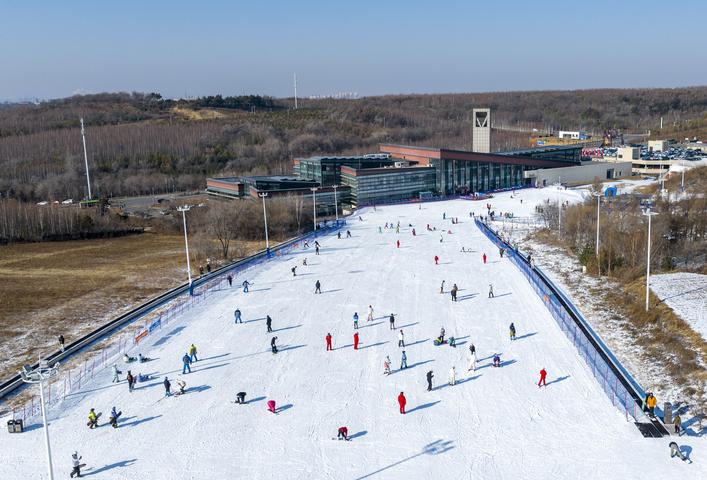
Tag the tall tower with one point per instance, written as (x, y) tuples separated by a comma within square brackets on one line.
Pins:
[(481, 130)]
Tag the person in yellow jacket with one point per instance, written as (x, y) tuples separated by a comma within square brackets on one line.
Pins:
[(92, 419), (192, 353), (651, 402)]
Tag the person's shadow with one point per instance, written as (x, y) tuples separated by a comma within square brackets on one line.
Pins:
[(123, 463), (686, 451)]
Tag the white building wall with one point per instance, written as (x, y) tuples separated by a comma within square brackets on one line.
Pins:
[(577, 175)]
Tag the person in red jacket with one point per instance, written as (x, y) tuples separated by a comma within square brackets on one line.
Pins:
[(343, 433), (397, 244), (356, 341), (402, 401), (543, 375), (436, 260), (484, 259), (328, 342)]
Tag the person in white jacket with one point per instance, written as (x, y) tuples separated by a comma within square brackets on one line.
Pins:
[(452, 376), (401, 339), (472, 361), (370, 313)]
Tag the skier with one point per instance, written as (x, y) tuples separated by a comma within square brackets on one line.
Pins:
[(246, 284), (490, 290), (316, 248), (294, 271), (167, 387), (328, 342), (348, 234), (61, 343), (317, 287), (230, 280), (392, 322), (401, 402), (413, 232), (268, 323), (386, 365), (343, 432), (273, 346), (356, 341), (543, 376), (436, 260), (92, 419), (403, 361), (192, 353), (397, 244), (429, 381), (186, 362), (76, 463), (441, 288), (338, 235), (113, 419), (512, 330), (484, 257), (116, 374), (304, 262), (240, 397), (452, 376), (355, 320), (370, 314), (237, 314), (271, 406), (472, 362), (454, 291), (401, 339), (496, 360), (651, 403)]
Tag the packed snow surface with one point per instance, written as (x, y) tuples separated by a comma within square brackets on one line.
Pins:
[(686, 294), (495, 423)]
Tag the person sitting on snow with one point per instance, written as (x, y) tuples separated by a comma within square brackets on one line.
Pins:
[(128, 359)]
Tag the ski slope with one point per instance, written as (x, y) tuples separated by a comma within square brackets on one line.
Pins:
[(494, 424)]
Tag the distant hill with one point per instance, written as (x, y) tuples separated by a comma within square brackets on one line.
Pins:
[(142, 143)]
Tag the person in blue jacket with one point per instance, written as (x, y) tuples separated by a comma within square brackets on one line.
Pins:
[(186, 359), (355, 319)]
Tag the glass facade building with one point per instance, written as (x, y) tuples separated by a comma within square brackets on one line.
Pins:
[(369, 186)]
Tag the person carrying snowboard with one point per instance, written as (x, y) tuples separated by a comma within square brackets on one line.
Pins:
[(386, 365), (328, 342), (401, 402), (343, 433), (543, 376), (355, 320), (237, 314), (186, 364), (512, 331), (356, 341), (429, 380), (268, 323), (113, 419), (167, 387), (317, 287), (92, 419), (273, 345), (392, 321), (401, 339), (76, 464), (370, 314)]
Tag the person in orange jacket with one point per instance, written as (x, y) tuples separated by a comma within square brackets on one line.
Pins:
[(651, 402), (402, 401)]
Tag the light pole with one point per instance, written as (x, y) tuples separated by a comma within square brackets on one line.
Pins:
[(85, 159), (184, 209), (265, 216), (39, 375), (598, 195), (336, 205), (649, 214), (559, 207), (314, 205)]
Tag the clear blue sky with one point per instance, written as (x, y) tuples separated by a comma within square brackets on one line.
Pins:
[(52, 49)]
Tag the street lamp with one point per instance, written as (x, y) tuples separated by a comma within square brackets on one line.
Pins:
[(184, 209), (598, 195), (336, 205), (265, 216), (39, 375), (314, 205), (647, 212), (559, 206)]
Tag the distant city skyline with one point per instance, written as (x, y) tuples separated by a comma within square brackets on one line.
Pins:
[(181, 48)]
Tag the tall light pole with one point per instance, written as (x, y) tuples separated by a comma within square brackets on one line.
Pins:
[(184, 209), (649, 214), (85, 159), (39, 375), (559, 206), (314, 205), (598, 195), (336, 205), (265, 216)]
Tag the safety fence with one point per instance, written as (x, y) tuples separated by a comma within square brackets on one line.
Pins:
[(623, 391), (70, 381)]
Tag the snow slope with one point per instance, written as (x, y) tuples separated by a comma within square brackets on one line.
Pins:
[(686, 294), (494, 424)]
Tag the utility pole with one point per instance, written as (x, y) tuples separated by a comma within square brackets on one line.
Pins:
[(314, 205), (295, 75), (265, 216), (336, 205), (649, 214), (184, 209), (85, 159)]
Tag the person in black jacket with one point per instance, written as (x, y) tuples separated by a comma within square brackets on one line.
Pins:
[(273, 346), (429, 381), (268, 322), (167, 386), (317, 287)]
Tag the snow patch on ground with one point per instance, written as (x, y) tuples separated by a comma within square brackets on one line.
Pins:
[(686, 294)]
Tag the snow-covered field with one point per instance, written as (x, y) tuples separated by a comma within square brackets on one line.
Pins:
[(686, 294), (495, 423)]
